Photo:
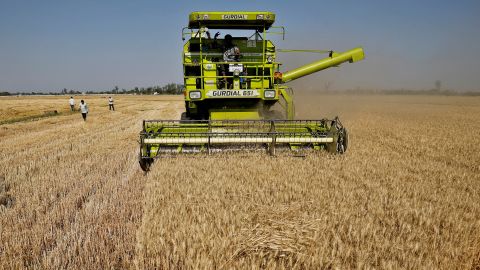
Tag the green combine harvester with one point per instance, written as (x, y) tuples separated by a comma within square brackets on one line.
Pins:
[(231, 85)]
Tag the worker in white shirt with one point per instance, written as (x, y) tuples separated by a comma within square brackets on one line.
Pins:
[(84, 109), (110, 104), (72, 104)]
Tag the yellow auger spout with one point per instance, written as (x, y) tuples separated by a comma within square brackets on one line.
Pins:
[(334, 59)]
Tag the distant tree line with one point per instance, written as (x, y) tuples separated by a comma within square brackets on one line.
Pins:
[(177, 89), (168, 89)]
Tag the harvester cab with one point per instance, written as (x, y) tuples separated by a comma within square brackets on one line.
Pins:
[(231, 84)]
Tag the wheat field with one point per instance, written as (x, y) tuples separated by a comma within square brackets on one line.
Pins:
[(405, 196)]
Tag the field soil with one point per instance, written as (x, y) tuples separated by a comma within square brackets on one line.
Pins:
[(405, 195)]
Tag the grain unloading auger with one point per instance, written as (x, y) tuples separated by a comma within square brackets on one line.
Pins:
[(231, 84)]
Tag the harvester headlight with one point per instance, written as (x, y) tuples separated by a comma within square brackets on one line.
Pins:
[(236, 73), (270, 59), (195, 95), (269, 93)]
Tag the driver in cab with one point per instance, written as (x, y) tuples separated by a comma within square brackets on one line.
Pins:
[(231, 53)]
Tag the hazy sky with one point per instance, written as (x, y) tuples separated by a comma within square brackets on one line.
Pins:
[(95, 45)]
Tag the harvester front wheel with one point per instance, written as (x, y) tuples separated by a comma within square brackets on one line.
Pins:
[(184, 116)]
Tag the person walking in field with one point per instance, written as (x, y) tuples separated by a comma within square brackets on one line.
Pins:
[(110, 104), (84, 109), (72, 104)]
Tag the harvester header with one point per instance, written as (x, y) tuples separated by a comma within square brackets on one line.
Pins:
[(232, 83)]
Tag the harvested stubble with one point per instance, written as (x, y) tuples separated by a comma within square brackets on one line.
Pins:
[(15, 108), (77, 186), (406, 195)]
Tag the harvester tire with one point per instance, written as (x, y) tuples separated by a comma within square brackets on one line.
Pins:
[(184, 116)]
